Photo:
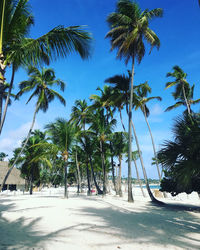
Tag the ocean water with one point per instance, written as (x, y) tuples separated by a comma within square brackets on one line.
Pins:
[(151, 186)]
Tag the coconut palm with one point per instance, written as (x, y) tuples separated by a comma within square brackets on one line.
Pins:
[(182, 87), (142, 92), (80, 116), (129, 28), (18, 49), (189, 91), (41, 84), (88, 143), (62, 134), (102, 128), (120, 141), (120, 95), (32, 158), (80, 113), (105, 102)]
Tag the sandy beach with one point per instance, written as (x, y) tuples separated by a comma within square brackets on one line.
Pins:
[(46, 220)]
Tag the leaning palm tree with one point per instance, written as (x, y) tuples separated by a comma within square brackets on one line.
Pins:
[(40, 83), (182, 86), (142, 91), (62, 134), (129, 28), (189, 93), (18, 49)]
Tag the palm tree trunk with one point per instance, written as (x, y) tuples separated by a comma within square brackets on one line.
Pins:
[(88, 179), (120, 176), (130, 194), (2, 119), (2, 26), (99, 191), (153, 144), (22, 149), (138, 177), (103, 168), (120, 113), (153, 199), (188, 107), (78, 173), (1, 107), (112, 166), (31, 181), (66, 188)]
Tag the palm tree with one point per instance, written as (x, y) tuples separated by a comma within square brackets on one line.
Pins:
[(142, 91), (40, 83), (182, 87), (119, 140), (120, 94), (129, 28), (80, 113), (102, 128), (80, 117), (32, 158), (17, 49), (180, 157), (189, 91), (4, 92), (105, 102), (62, 134)]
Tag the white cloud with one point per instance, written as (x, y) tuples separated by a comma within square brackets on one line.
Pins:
[(14, 138), (156, 110)]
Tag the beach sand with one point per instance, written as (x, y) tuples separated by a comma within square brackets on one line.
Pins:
[(46, 220)]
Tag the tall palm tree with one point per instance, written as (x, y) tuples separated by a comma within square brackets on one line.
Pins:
[(129, 28), (120, 95), (119, 140), (80, 113), (189, 91), (142, 91), (105, 102), (40, 83), (182, 87), (102, 128), (18, 49), (80, 117), (62, 134)]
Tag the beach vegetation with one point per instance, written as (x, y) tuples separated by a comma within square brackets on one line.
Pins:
[(129, 28)]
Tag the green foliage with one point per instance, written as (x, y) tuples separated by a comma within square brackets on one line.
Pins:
[(181, 158), (41, 84), (129, 27), (2, 156)]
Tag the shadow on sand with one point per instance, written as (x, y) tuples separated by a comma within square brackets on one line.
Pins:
[(20, 233), (170, 226)]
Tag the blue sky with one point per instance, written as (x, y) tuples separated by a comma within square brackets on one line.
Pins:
[(179, 34)]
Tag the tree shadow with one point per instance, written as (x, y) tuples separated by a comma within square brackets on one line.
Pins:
[(155, 225), (21, 233)]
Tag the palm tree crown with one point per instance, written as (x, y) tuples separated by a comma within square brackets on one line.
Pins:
[(41, 83), (129, 28)]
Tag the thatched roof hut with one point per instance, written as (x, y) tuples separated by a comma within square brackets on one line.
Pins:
[(14, 177)]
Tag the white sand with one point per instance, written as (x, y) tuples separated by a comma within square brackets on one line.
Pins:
[(46, 220)]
